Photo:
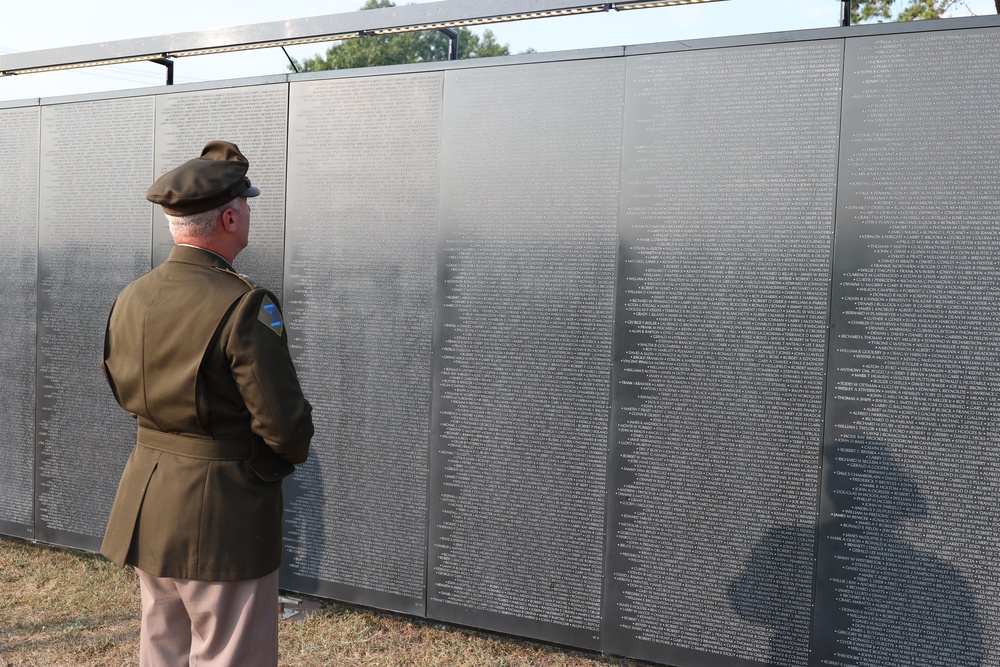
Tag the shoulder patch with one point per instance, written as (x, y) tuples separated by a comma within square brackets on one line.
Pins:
[(271, 316)]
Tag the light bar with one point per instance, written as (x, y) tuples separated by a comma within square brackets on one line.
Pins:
[(180, 53), (56, 68), (603, 7), (383, 21), (264, 45), (639, 4)]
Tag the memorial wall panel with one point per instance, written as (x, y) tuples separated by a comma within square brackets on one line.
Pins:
[(255, 119), (18, 258), (908, 540), (728, 194), (360, 279), (531, 161), (94, 238)]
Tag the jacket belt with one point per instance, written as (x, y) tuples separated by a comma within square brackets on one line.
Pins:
[(197, 448)]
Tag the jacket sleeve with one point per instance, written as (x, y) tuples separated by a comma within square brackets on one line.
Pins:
[(113, 345), (257, 349)]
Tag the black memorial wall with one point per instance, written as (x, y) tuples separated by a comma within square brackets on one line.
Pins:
[(679, 353)]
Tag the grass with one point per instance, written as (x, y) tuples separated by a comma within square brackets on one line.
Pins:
[(65, 608)]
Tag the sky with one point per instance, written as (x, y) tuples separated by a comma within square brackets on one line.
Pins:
[(31, 26)]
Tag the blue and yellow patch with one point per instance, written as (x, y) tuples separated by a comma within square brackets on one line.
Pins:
[(271, 316)]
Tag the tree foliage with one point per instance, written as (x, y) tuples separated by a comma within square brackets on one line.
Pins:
[(408, 47), (909, 10)]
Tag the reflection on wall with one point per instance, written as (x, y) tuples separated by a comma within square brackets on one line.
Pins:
[(526, 302), (723, 306), (362, 229), (915, 350), (94, 238)]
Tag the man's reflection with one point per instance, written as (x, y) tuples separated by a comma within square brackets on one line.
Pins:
[(879, 602)]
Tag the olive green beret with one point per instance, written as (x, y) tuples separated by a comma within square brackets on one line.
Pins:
[(217, 177)]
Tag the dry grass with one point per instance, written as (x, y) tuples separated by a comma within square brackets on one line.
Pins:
[(63, 608)]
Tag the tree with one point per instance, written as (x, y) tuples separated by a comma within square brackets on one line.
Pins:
[(912, 10), (408, 47)]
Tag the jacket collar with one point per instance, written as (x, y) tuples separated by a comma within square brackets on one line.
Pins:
[(189, 254)]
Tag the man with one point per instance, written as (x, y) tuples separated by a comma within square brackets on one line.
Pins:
[(198, 355)]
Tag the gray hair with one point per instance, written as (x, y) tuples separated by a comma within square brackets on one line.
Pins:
[(201, 225)]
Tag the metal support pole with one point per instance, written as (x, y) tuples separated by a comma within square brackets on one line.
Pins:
[(291, 61), (169, 64), (453, 38), (845, 19)]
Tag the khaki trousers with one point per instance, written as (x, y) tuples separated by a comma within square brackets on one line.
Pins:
[(208, 623)]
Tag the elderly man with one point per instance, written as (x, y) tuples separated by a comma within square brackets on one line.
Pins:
[(198, 355)]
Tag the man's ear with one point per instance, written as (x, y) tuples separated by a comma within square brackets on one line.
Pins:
[(229, 221)]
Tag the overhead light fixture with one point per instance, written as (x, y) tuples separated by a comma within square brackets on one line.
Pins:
[(383, 21), (264, 45), (180, 53), (504, 18), (81, 65), (177, 54), (640, 4)]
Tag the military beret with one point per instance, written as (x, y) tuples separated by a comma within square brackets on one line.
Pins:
[(201, 184)]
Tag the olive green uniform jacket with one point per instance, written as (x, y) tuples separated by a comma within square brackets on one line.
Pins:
[(199, 356)]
